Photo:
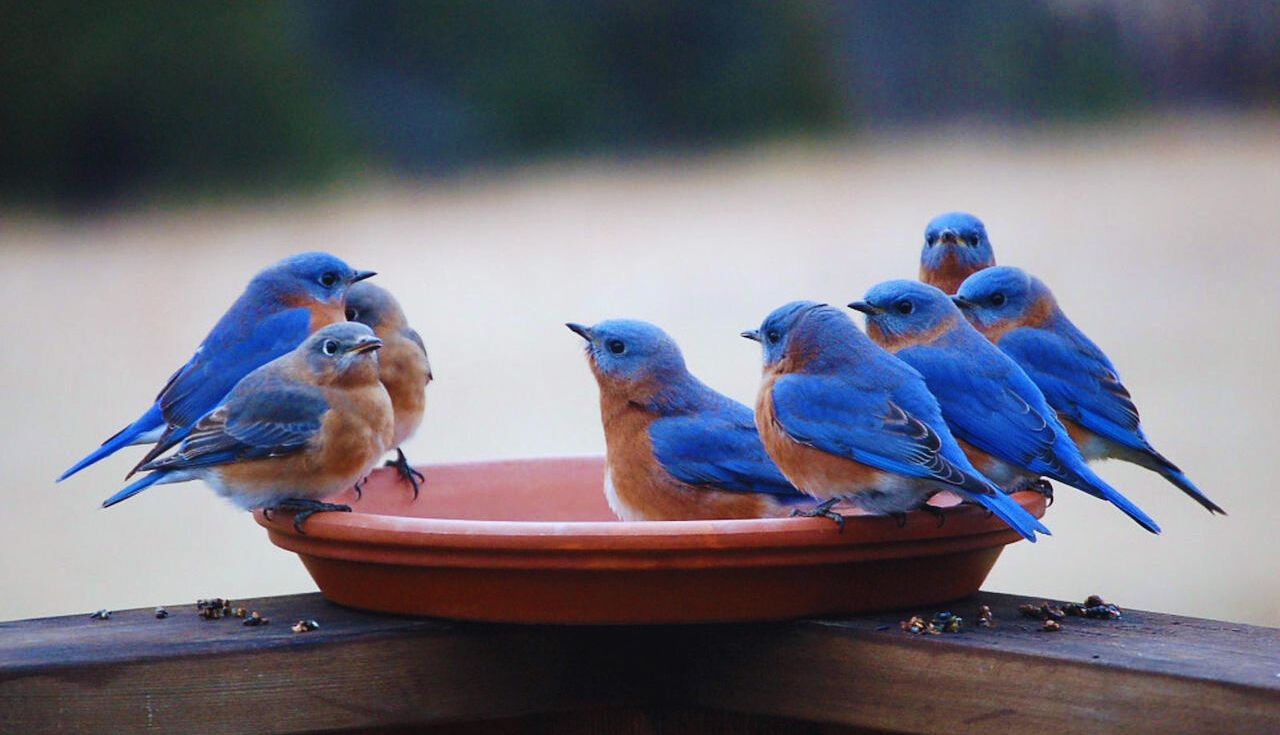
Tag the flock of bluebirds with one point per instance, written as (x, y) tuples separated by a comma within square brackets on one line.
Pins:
[(971, 380)]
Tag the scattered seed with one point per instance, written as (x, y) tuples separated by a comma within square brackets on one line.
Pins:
[(241, 612), (984, 617), (305, 626), (103, 614), (1051, 626), (255, 618), (162, 613), (1043, 611)]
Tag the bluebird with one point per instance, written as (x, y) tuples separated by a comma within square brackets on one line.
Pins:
[(676, 449), (281, 306), (402, 365), (1019, 314), (296, 430), (845, 420), (999, 417), (955, 246)]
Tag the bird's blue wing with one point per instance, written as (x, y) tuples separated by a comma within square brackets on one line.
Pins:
[(720, 449), (988, 401), (864, 425), (1078, 381), (234, 348), (262, 418)]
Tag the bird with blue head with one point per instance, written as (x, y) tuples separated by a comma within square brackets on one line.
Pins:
[(955, 246), (402, 365), (846, 421), (675, 448), (292, 432), (1019, 314), (281, 306), (996, 413)]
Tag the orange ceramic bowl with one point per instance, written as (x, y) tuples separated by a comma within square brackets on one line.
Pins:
[(533, 541)]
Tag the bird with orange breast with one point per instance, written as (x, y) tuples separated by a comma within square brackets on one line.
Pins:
[(402, 366), (292, 432), (847, 421), (676, 449), (955, 247)]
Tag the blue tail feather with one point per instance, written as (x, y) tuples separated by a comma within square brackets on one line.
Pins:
[(1088, 481), (1185, 484), (131, 434), (1008, 510), (134, 488)]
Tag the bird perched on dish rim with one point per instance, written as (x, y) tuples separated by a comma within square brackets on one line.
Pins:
[(675, 448), (281, 305), (299, 429), (997, 414), (1019, 314), (845, 420), (402, 365)]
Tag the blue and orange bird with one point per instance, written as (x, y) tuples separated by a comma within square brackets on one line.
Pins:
[(296, 430), (281, 306), (846, 421), (676, 449), (1019, 314), (996, 413), (955, 247), (402, 365)]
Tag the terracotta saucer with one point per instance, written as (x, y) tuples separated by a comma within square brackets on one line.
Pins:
[(533, 541)]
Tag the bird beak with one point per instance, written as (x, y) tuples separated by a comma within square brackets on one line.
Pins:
[(361, 275), (866, 307), (948, 237), (752, 334), (366, 344), (961, 301), (578, 329)]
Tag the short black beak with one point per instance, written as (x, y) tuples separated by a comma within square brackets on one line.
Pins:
[(581, 331), (752, 334), (948, 237), (366, 344), (866, 307), (361, 275), (961, 301)]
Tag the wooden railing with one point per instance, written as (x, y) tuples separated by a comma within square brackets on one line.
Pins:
[(362, 672)]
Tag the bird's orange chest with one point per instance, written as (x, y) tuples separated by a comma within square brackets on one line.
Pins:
[(950, 273)]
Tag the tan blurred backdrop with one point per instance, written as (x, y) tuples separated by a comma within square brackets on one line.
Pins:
[(1160, 242)]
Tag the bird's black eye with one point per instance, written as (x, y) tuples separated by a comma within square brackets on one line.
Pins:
[(773, 336), (997, 299), (352, 314), (904, 307), (616, 346), (931, 238), (328, 279), (330, 347), (974, 240)]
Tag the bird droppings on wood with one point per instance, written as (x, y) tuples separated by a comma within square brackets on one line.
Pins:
[(161, 613), (255, 618), (103, 614)]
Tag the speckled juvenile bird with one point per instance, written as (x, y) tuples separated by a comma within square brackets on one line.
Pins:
[(301, 428), (955, 246), (676, 449), (1020, 315), (402, 365)]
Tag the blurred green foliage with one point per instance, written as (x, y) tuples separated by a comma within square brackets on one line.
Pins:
[(123, 98)]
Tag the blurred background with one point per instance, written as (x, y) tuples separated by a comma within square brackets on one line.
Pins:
[(509, 166)]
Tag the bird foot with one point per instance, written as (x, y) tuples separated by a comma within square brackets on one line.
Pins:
[(303, 509), (407, 473), (822, 510), (359, 486), (900, 519), (936, 512), (1045, 488)]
